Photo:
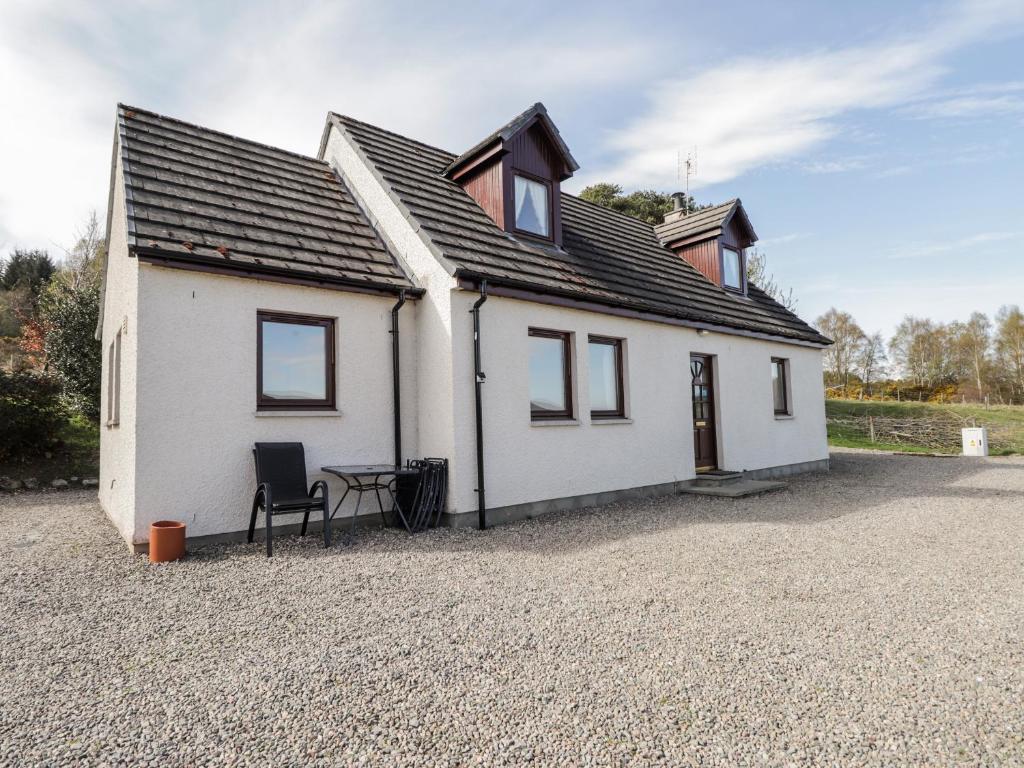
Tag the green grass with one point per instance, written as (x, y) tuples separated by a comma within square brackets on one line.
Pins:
[(77, 455), (1008, 419), (845, 439)]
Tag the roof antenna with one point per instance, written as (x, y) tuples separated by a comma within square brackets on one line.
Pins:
[(685, 169), (691, 170)]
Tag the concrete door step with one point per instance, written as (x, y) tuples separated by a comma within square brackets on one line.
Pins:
[(717, 478), (733, 490)]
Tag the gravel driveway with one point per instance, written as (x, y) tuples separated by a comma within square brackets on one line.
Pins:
[(872, 616)]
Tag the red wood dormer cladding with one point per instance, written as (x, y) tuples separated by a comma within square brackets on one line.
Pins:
[(530, 146), (700, 237), (706, 257)]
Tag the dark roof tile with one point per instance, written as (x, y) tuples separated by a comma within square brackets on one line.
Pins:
[(607, 257), (201, 196)]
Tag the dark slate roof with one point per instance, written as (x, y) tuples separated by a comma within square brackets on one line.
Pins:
[(197, 197), (510, 129), (607, 257), (706, 221)]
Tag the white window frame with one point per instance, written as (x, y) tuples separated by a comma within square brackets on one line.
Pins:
[(114, 381)]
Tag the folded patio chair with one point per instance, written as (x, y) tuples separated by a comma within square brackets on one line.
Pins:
[(431, 491), (282, 490)]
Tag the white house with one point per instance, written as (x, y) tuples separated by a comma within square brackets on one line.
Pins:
[(250, 293)]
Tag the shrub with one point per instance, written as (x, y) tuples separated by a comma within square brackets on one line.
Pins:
[(68, 313), (31, 414)]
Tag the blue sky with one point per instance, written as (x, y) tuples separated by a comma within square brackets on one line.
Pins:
[(877, 146)]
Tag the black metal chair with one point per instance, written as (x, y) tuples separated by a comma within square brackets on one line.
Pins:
[(282, 490)]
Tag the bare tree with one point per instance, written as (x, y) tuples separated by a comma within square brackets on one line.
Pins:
[(847, 338), (971, 342), (1009, 344), (757, 273), (921, 350), (871, 360), (82, 261)]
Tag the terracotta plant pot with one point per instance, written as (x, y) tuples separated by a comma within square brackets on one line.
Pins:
[(166, 541)]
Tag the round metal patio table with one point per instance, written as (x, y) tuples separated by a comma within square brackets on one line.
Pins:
[(362, 478)]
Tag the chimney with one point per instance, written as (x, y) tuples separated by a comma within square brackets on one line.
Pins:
[(678, 207)]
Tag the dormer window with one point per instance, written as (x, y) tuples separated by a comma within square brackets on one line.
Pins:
[(515, 176), (533, 206), (732, 268), (712, 240)]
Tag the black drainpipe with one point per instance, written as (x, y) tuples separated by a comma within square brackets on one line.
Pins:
[(479, 378), (395, 370)]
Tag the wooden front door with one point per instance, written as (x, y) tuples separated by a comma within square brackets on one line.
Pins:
[(705, 448)]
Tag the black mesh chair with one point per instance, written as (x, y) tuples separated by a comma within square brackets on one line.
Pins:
[(282, 490)]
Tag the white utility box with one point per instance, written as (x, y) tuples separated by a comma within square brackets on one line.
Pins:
[(975, 441)]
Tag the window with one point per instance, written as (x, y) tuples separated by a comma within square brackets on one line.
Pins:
[(780, 391), (732, 269), (606, 380), (550, 375), (533, 209), (114, 381), (294, 361)]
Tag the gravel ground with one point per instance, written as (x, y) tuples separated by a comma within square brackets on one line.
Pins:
[(873, 616)]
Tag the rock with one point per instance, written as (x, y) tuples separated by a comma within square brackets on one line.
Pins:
[(59, 484), (9, 484), (90, 482), (31, 483)]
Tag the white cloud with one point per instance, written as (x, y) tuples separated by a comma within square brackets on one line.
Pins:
[(266, 71), (835, 166), (53, 132), (938, 247), (783, 239), (988, 100), (758, 110)]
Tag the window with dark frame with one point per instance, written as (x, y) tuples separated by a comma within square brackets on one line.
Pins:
[(294, 362), (533, 206), (733, 267), (550, 372), (607, 399), (780, 388)]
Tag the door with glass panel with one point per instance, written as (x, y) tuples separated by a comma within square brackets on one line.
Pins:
[(705, 447)]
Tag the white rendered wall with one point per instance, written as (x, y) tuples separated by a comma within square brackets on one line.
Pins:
[(436, 391), (528, 462), (197, 418), (120, 311)]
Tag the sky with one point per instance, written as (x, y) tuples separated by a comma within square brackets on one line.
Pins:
[(876, 146)]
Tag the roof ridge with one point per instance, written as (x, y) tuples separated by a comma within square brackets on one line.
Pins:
[(340, 116), (127, 107)]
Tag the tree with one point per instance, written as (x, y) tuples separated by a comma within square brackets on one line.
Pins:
[(971, 342), (757, 273), (921, 350), (1009, 346), (847, 338), (645, 204), (67, 317), (871, 360), (26, 269)]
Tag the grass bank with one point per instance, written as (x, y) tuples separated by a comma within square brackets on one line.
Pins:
[(922, 427)]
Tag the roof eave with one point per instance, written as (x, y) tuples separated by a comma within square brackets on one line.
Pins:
[(471, 280), (308, 279)]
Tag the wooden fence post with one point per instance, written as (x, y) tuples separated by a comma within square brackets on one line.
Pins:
[(871, 427)]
